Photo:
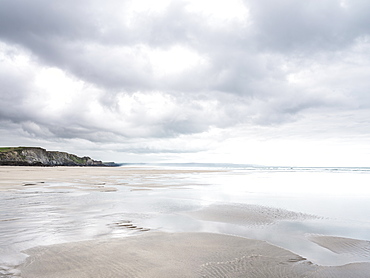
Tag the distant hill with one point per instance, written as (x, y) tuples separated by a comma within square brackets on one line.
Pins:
[(35, 156)]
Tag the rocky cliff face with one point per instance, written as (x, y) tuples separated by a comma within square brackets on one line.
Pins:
[(24, 156)]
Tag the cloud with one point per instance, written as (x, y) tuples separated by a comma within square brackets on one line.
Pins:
[(139, 70), (291, 26)]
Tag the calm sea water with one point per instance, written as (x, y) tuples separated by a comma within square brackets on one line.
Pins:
[(47, 214)]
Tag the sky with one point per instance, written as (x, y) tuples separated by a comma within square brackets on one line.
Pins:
[(284, 83)]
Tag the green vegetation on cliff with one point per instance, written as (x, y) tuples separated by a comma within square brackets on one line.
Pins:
[(7, 149)]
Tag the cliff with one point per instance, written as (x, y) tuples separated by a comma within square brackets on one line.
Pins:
[(33, 156)]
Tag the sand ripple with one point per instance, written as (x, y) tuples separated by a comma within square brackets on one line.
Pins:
[(244, 214), (177, 255), (127, 224), (341, 245)]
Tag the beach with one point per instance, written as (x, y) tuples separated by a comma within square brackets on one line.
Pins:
[(156, 221)]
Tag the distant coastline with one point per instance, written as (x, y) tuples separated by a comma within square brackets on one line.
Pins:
[(36, 156)]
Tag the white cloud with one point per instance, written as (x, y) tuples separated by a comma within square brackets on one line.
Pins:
[(55, 90), (218, 13), (167, 63)]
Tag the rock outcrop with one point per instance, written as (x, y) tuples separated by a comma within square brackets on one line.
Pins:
[(34, 156)]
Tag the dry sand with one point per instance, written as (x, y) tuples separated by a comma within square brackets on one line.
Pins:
[(176, 255)]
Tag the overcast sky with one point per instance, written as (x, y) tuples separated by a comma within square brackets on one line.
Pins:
[(266, 82)]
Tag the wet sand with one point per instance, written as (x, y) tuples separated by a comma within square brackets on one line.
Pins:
[(341, 245), (177, 255), (146, 250), (244, 214), (86, 178)]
